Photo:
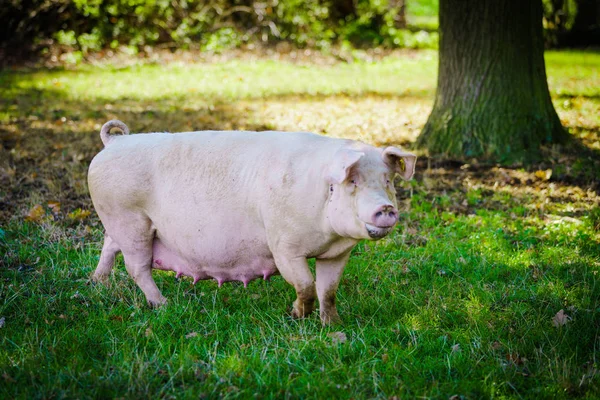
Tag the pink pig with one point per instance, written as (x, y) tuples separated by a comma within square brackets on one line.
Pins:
[(242, 205)]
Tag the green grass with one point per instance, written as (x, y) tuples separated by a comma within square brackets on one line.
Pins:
[(422, 8), (423, 14), (459, 300)]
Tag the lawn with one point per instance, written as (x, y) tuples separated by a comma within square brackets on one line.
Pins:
[(489, 286)]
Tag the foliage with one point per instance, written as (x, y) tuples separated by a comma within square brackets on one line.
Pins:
[(489, 286), (559, 16), (83, 26), (89, 25)]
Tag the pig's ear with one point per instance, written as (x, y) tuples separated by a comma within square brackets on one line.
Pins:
[(340, 166), (401, 162)]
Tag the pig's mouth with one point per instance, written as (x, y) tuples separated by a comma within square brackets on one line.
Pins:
[(376, 232)]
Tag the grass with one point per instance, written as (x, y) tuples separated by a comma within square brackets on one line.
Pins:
[(462, 299), (423, 15)]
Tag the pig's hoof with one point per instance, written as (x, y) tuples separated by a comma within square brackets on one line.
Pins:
[(295, 314), (157, 303), (301, 311), (100, 278)]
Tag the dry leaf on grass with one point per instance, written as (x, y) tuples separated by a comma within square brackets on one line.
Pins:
[(79, 214), (543, 175), (337, 337), (35, 214), (560, 319), (8, 378), (54, 206), (191, 335), (515, 359)]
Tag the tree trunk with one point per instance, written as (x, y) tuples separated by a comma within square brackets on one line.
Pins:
[(492, 98), (400, 16)]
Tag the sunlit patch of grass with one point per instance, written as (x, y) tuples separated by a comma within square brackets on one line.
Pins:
[(573, 73), (370, 118), (233, 80)]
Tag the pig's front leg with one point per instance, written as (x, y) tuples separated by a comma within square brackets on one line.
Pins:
[(296, 272), (329, 273)]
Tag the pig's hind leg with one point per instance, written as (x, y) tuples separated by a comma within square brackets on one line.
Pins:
[(107, 259), (134, 235)]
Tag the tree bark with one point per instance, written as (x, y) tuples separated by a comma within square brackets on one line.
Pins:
[(400, 16), (492, 97)]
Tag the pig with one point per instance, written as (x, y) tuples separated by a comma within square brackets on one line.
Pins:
[(235, 206)]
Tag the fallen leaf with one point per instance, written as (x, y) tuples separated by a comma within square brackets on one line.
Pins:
[(412, 230), (515, 358), (148, 332), (231, 389), (337, 337), (79, 214), (54, 207), (384, 358), (456, 348), (191, 335), (543, 175), (506, 177), (560, 319), (35, 214)]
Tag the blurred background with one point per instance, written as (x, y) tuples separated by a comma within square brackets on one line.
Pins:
[(74, 29)]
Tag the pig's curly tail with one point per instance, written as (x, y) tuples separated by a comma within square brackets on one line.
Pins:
[(105, 131)]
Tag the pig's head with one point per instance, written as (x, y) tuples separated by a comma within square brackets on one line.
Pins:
[(362, 199)]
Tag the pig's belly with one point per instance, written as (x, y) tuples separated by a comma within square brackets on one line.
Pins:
[(229, 259)]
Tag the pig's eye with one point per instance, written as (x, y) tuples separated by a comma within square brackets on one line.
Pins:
[(353, 181), (387, 182)]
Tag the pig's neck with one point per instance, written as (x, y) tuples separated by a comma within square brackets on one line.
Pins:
[(336, 247)]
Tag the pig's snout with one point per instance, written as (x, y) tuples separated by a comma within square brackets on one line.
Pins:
[(382, 221), (385, 216)]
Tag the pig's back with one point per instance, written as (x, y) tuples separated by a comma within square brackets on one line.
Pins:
[(222, 163)]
